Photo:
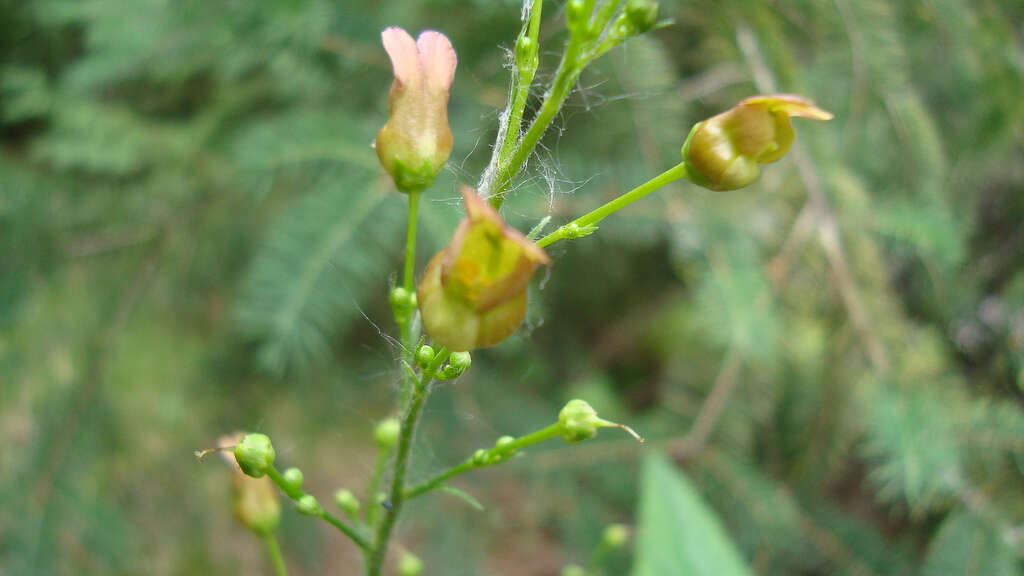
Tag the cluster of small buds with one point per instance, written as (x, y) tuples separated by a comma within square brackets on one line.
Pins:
[(638, 17)]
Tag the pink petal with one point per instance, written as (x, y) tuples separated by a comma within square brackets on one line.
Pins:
[(401, 49), (437, 57)]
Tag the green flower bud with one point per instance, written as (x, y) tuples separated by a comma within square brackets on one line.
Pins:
[(255, 501), (576, 16), (255, 455), (458, 362), (403, 304), (292, 479), (526, 54), (641, 15), (578, 421), (347, 501), (473, 293), (386, 433), (424, 356), (415, 142), (480, 456), (504, 441), (308, 506), (409, 565), (725, 151), (615, 535), (573, 570)]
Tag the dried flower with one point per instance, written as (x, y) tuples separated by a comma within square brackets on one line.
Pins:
[(416, 140), (725, 151), (473, 293)]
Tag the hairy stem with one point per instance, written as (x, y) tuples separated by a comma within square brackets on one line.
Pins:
[(584, 224), (410, 421), (405, 319), (527, 70), (495, 455)]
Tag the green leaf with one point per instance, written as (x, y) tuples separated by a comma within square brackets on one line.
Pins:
[(678, 534), (324, 256), (464, 496), (966, 545)]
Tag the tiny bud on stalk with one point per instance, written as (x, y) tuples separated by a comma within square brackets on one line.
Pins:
[(308, 506), (424, 356), (409, 565), (573, 570), (255, 501), (615, 535), (347, 501), (293, 479), (386, 433), (255, 455), (403, 304), (578, 421)]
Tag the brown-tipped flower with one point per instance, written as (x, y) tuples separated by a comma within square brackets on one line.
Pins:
[(725, 151), (255, 500), (473, 293), (416, 140)]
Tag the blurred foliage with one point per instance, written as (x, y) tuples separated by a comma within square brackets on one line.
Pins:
[(195, 238)]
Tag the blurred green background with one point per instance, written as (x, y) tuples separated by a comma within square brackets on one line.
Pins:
[(195, 238)]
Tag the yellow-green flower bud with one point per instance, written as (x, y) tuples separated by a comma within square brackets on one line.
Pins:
[(578, 421), (347, 501), (255, 454), (473, 293), (307, 505), (386, 433), (409, 565), (725, 151), (458, 362), (415, 142), (293, 479), (504, 441), (403, 303), (615, 535)]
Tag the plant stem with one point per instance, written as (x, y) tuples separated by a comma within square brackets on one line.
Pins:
[(405, 318), (568, 72), (584, 224), (374, 487), (410, 421), (495, 455), (274, 551), (527, 70), (297, 493)]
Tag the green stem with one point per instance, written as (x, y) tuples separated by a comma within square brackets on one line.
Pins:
[(274, 551), (568, 72), (527, 70), (495, 455), (296, 493), (404, 319), (584, 224), (371, 496), (405, 440)]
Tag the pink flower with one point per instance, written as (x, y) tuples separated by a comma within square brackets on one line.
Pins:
[(415, 142)]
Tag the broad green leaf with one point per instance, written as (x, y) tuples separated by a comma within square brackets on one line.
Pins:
[(678, 534)]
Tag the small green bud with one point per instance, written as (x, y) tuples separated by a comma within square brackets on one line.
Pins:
[(292, 479), (308, 506), (576, 16), (641, 15), (480, 456), (578, 421), (386, 433), (458, 363), (573, 570), (403, 303), (255, 455), (504, 441), (526, 54), (425, 356), (409, 565), (615, 535), (347, 501)]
